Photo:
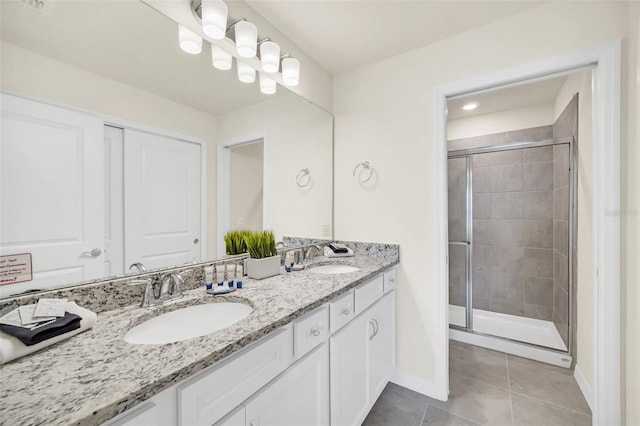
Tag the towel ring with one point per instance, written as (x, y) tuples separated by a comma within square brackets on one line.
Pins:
[(300, 178), (365, 165)]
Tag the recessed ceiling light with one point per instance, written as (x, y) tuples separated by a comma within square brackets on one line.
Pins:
[(469, 107)]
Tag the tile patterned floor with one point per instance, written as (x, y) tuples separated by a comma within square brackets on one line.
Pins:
[(488, 388)]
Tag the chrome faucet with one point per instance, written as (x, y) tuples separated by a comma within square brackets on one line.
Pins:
[(139, 266), (307, 253), (169, 288)]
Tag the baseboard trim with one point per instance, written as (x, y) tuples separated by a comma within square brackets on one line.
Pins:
[(417, 385), (584, 386)]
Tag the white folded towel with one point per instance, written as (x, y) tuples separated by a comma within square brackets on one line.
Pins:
[(329, 253), (11, 348)]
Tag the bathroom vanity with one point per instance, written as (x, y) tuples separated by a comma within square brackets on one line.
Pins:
[(316, 349)]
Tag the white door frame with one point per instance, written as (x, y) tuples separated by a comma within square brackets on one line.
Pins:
[(606, 112), (224, 180)]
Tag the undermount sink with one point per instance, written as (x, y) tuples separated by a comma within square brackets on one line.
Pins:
[(333, 269), (187, 323)]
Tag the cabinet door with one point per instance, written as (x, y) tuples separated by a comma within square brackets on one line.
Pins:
[(381, 318), (349, 373), (299, 397), (236, 418)]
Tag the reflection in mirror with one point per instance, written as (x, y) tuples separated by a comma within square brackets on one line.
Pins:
[(143, 184), (245, 177)]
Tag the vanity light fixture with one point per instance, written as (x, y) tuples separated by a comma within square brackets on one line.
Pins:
[(220, 58), (214, 18), (290, 71), (214, 15), (190, 42), (246, 39), (246, 73), (267, 84), (269, 56), (470, 106)]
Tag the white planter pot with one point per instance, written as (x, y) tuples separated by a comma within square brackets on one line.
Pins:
[(263, 268)]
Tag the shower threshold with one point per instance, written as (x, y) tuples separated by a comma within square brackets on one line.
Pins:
[(527, 330)]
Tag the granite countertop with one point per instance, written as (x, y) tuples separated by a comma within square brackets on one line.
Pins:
[(95, 375)]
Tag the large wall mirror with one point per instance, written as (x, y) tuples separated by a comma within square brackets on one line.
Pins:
[(175, 160)]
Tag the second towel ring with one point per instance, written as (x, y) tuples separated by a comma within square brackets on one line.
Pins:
[(365, 165), (300, 178)]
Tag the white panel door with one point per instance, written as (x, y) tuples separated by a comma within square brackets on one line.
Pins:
[(162, 179), (113, 201), (51, 192), (299, 397)]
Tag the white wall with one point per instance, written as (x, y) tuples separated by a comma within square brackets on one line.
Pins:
[(384, 113), (581, 83), (297, 135), (502, 121), (31, 74)]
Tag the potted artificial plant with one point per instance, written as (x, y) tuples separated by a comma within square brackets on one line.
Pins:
[(264, 260), (235, 242)]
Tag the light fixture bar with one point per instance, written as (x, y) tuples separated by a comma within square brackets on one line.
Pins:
[(234, 24)]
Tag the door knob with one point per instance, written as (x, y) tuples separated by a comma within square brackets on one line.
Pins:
[(93, 253)]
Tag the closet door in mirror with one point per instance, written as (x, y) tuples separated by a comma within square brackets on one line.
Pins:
[(162, 198)]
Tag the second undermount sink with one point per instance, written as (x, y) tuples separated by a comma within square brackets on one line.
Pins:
[(187, 323), (333, 269)]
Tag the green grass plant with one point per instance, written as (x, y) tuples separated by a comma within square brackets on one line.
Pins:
[(261, 244), (235, 242)]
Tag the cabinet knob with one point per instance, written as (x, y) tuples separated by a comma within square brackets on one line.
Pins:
[(392, 280), (315, 331), (253, 423), (346, 311)]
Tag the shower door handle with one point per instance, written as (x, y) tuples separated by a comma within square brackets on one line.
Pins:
[(461, 243)]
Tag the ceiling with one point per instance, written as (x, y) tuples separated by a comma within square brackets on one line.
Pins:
[(106, 37), (539, 92), (341, 35)]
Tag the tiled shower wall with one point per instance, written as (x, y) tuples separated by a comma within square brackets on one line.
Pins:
[(513, 232), (565, 126), (512, 225)]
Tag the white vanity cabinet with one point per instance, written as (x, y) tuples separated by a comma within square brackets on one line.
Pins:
[(305, 373), (362, 357), (349, 384), (299, 397), (381, 349)]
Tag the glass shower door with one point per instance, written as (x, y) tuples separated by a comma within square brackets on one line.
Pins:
[(459, 184)]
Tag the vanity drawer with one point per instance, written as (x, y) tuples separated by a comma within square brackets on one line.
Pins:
[(341, 311), (368, 293), (310, 331), (213, 393), (389, 280)]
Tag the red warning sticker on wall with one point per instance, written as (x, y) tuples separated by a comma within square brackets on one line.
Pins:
[(15, 268)]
